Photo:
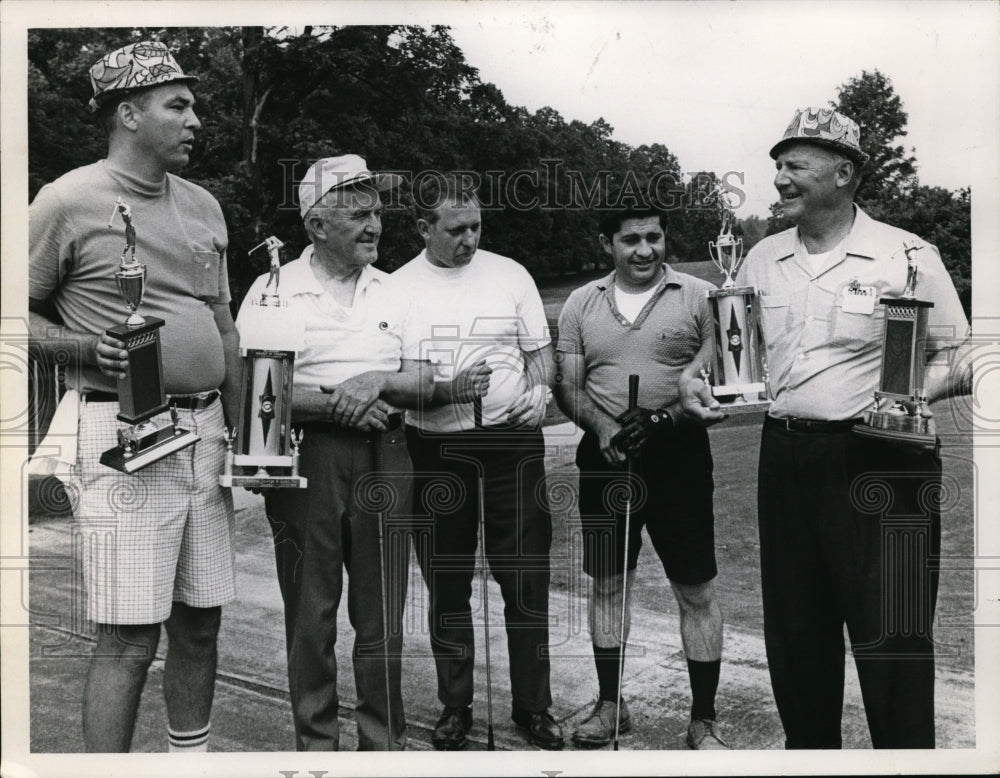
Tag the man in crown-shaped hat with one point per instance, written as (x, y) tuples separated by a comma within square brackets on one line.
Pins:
[(830, 553)]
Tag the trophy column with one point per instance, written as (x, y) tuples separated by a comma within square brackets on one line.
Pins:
[(263, 451), (738, 374), (140, 394), (897, 412)]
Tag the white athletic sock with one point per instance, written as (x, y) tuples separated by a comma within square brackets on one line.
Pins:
[(188, 742)]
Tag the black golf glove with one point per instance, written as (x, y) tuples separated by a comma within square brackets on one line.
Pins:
[(639, 424)]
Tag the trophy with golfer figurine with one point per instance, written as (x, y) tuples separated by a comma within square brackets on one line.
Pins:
[(738, 373), (141, 393), (263, 450), (899, 411)]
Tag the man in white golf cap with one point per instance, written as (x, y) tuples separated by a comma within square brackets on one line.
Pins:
[(349, 380), (160, 542), (850, 525)]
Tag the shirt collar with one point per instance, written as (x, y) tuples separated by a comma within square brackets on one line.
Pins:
[(670, 278), (297, 277), (861, 241)]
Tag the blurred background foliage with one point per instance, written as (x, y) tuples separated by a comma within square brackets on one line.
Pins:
[(272, 100)]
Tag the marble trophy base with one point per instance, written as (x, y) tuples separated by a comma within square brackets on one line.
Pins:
[(147, 443), (898, 427), (741, 398), (262, 472)]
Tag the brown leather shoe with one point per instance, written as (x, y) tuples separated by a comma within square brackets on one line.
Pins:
[(704, 735), (598, 729), (542, 730), (452, 729)]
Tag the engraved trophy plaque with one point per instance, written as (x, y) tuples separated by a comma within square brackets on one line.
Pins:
[(263, 451), (898, 410), (140, 394), (738, 373)]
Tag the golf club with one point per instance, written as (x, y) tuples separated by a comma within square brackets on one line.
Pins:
[(377, 468), (633, 401), (477, 412)]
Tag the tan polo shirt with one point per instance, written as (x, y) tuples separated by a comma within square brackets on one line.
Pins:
[(657, 346)]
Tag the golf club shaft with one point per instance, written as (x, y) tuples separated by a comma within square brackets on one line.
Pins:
[(633, 402), (477, 413), (383, 570)]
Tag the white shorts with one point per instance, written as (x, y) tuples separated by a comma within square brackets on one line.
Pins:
[(164, 533)]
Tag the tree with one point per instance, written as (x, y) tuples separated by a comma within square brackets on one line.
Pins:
[(873, 103), (754, 228), (272, 100)]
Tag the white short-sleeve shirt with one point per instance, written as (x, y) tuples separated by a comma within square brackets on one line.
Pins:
[(340, 342), (489, 309)]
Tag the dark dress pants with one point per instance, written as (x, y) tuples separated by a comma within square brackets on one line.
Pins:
[(518, 537), (318, 532), (850, 532)]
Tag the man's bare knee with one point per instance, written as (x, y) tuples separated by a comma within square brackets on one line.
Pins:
[(695, 597), (130, 645), (194, 628)]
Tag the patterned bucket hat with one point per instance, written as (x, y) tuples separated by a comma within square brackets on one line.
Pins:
[(136, 66), (824, 127)]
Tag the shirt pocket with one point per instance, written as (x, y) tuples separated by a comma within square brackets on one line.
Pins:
[(856, 331), (774, 314), (676, 346), (205, 274)]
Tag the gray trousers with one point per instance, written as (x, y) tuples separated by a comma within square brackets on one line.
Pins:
[(318, 532)]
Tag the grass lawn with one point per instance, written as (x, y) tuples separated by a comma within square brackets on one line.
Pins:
[(735, 448)]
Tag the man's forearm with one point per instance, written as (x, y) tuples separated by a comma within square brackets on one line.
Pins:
[(48, 340), (577, 405), (407, 388), (230, 387), (949, 374), (309, 405)]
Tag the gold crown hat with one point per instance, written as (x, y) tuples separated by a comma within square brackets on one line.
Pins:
[(136, 66), (824, 127)]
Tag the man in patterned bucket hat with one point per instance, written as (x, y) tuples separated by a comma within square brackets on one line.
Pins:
[(159, 543), (824, 127), (136, 66), (850, 525)]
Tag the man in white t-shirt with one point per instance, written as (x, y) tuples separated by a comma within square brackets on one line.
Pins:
[(349, 379), (480, 323)]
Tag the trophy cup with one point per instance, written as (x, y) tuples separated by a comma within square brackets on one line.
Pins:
[(901, 383), (140, 394), (738, 374), (263, 451)]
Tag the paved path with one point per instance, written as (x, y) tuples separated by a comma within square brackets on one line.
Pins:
[(251, 711)]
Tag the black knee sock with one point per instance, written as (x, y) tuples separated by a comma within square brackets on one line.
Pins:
[(607, 660), (704, 681)]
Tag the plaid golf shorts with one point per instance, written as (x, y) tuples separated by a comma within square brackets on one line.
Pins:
[(162, 534)]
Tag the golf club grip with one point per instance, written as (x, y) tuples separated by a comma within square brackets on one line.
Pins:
[(477, 412), (633, 391)]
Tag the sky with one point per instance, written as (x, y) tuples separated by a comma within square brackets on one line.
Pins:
[(717, 83)]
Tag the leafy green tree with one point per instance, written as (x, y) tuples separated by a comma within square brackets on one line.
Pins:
[(274, 99), (872, 101)]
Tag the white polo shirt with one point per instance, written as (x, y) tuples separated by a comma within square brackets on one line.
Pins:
[(487, 310), (340, 342)]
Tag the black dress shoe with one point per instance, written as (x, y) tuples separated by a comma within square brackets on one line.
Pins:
[(452, 728), (542, 730)]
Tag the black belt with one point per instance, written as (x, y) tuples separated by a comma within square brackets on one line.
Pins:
[(189, 402), (810, 425)]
